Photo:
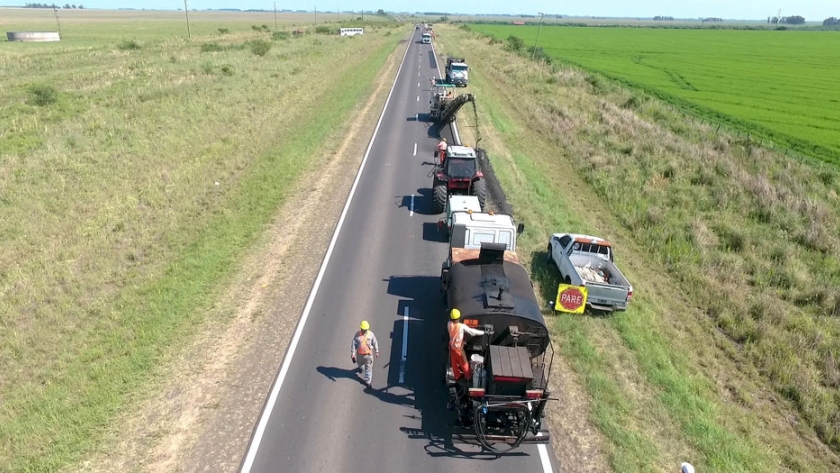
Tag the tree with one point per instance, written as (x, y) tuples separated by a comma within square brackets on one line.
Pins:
[(66, 6), (380, 12), (831, 21)]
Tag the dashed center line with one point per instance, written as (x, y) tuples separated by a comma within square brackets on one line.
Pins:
[(415, 144)]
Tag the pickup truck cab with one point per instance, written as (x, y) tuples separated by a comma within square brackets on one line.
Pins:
[(585, 260)]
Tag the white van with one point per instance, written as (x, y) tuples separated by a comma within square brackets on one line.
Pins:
[(427, 38)]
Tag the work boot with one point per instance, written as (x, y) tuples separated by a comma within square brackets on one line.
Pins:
[(369, 386)]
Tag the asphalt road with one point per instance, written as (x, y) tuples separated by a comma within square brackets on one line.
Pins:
[(384, 267)]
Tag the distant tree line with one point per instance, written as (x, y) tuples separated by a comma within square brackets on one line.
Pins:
[(53, 6), (832, 21), (711, 19), (663, 18), (788, 20)]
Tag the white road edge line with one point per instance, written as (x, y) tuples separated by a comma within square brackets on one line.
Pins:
[(287, 361), (411, 209), (546, 462), (415, 144), (405, 334)]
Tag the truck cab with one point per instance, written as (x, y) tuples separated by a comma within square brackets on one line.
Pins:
[(426, 38), (468, 230), (457, 72)]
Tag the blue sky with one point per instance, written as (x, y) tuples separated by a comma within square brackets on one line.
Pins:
[(812, 10)]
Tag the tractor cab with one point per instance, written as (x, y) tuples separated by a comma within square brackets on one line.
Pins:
[(459, 174), (461, 162)]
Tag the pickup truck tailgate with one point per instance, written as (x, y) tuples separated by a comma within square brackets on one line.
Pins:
[(607, 297)]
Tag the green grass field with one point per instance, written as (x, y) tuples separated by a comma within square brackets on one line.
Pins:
[(135, 170), (781, 85), (730, 352)]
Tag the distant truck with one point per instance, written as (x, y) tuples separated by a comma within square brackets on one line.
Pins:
[(457, 71), (427, 38), (585, 260)]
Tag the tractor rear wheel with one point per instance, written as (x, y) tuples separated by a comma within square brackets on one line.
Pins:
[(439, 196), (479, 189)]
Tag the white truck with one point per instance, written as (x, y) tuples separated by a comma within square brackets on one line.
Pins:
[(426, 38), (468, 229), (457, 71), (585, 260)]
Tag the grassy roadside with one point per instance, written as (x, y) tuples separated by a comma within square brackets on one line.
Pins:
[(668, 380), (139, 187)]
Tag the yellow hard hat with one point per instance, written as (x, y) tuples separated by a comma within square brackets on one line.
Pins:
[(364, 325), (455, 314), (444, 139)]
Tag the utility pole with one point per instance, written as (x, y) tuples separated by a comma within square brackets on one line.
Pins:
[(55, 10), (275, 15), (538, 35), (187, 13)]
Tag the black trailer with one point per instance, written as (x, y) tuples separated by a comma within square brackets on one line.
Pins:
[(503, 404)]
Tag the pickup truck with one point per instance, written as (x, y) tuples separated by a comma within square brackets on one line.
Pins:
[(585, 260)]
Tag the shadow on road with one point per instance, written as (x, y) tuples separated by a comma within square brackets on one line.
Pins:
[(432, 61), (434, 232), (332, 373)]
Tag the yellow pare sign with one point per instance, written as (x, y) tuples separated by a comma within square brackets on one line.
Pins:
[(571, 299)]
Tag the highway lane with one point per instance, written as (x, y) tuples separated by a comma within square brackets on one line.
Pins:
[(384, 267)]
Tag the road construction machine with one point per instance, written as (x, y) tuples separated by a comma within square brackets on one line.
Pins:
[(444, 104), (503, 403)]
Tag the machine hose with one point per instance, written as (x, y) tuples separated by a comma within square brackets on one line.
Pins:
[(479, 429)]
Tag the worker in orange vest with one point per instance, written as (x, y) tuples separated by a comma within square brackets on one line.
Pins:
[(441, 150), (457, 355), (362, 350)]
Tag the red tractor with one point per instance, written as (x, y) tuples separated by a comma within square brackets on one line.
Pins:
[(460, 173)]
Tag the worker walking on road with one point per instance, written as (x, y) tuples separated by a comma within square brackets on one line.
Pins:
[(441, 150), (363, 349), (457, 355)]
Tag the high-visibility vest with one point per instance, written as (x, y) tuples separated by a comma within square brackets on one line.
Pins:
[(456, 335), (364, 343)]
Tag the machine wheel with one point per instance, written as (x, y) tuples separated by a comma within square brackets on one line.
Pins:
[(439, 197), (567, 280), (479, 190)]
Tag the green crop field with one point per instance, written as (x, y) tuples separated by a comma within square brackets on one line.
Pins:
[(780, 85)]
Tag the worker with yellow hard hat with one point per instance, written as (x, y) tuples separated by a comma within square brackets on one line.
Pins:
[(363, 349), (457, 355)]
